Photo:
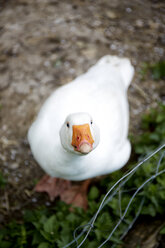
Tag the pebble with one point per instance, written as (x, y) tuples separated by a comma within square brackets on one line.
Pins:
[(13, 154), (16, 179), (47, 63), (34, 200), (139, 23), (67, 64), (72, 71), (2, 157), (47, 203), (6, 142), (113, 47), (90, 52), (159, 50), (153, 25), (4, 81), (128, 10), (26, 162), (96, 23), (14, 166), (111, 14)]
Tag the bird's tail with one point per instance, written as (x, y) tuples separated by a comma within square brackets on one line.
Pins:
[(122, 64)]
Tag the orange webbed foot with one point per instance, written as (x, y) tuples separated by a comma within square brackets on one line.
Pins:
[(70, 194)]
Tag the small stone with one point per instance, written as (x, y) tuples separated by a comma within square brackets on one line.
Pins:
[(4, 81), (153, 25), (6, 142), (2, 157), (26, 162), (159, 50), (113, 47), (13, 154), (72, 70), (4, 127), (67, 64), (111, 14), (16, 179), (139, 23), (96, 23), (34, 199), (46, 78), (47, 63), (13, 27), (20, 175), (47, 203), (128, 10), (80, 44), (90, 52), (14, 166)]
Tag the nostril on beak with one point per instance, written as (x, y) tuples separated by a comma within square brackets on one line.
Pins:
[(78, 138)]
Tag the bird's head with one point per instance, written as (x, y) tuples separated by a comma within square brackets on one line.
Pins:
[(79, 133)]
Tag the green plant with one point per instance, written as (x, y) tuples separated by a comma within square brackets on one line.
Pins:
[(162, 231), (156, 70), (152, 131)]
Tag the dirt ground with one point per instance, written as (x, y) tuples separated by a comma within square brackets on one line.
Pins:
[(47, 43)]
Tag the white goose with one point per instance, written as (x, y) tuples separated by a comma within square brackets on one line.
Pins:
[(81, 130)]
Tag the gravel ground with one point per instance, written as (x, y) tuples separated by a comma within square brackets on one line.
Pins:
[(47, 43)]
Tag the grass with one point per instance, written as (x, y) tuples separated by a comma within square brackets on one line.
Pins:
[(156, 70)]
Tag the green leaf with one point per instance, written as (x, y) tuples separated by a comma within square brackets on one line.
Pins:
[(92, 244), (158, 70), (6, 244), (37, 238), (149, 210), (99, 234), (93, 193), (46, 235), (50, 224), (44, 245), (162, 231), (63, 241)]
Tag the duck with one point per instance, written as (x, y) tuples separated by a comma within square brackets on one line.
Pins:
[(81, 131)]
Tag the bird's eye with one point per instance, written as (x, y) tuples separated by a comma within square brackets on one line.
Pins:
[(91, 122), (67, 124)]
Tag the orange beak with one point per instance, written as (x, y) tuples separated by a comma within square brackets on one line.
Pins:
[(82, 139)]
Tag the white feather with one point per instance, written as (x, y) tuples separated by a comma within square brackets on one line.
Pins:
[(101, 92)]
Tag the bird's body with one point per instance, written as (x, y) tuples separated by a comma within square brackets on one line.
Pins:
[(101, 92)]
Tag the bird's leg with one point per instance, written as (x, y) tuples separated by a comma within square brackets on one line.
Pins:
[(77, 194), (71, 194)]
